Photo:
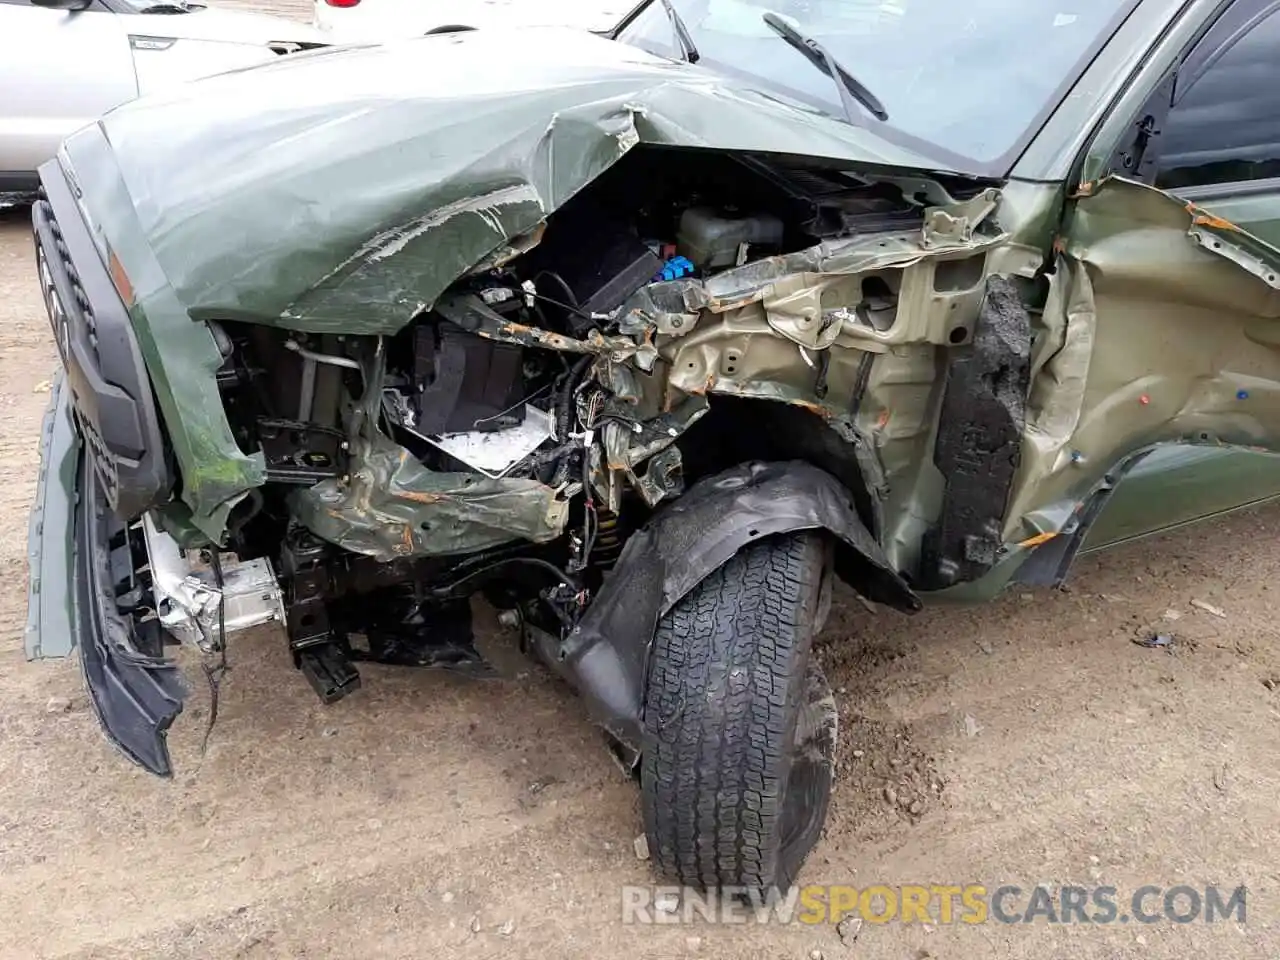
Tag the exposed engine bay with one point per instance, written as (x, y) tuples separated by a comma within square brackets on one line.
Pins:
[(686, 312)]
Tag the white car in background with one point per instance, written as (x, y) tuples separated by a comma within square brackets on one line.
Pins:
[(63, 63), (348, 21)]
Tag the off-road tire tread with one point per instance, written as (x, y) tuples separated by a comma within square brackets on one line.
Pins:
[(727, 678)]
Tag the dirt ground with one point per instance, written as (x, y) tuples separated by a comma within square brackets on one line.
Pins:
[(1026, 742)]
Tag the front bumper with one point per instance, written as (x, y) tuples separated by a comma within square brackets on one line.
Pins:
[(102, 458), (105, 372), (85, 592)]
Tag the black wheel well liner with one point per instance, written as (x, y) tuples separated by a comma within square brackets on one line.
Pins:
[(606, 655), (740, 429)]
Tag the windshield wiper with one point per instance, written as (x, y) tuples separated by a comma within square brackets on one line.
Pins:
[(687, 49), (820, 57)]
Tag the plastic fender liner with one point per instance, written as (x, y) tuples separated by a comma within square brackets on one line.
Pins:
[(606, 655)]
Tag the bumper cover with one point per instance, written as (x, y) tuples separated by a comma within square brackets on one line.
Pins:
[(84, 594)]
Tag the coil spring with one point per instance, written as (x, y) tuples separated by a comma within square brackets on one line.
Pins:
[(604, 554)]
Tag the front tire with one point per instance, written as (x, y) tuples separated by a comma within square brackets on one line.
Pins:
[(740, 724)]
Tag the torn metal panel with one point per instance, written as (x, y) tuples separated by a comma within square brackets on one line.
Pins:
[(392, 506), (663, 477), (231, 218), (1059, 376), (900, 398), (954, 224), (1053, 553), (796, 328), (1149, 336), (1227, 240)]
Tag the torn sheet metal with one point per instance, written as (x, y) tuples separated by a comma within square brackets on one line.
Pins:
[(294, 228), (194, 607), (1150, 335), (391, 506), (953, 225), (796, 328)]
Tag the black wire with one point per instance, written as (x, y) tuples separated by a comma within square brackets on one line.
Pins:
[(216, 674), (546, 565), (564, 413), (564, 403), (627, 422), (564, 306), (565, 288), (589, 529)]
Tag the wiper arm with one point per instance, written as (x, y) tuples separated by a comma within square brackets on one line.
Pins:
[(820, 57), (687, 49)]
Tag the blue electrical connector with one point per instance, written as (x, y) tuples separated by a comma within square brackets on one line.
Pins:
[(675, 268)]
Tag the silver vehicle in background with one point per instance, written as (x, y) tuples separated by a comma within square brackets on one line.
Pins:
[(356, 21), (63, 63)]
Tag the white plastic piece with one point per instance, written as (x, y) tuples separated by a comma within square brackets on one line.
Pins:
[(495, 452)]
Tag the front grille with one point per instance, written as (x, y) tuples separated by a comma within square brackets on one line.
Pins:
[(104, 463), (70, 319), (110, 387), (79, 311)]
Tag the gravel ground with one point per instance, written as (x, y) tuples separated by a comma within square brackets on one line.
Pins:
[(1026, 741)]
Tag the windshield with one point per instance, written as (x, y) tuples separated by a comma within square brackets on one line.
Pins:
[(969, 76)]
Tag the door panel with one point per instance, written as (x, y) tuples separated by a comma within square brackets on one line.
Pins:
[(67, 68), (1181, 484), (1163, 321), (1158, 329)]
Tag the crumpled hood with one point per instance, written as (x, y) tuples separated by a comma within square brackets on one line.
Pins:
[(224, 26), (345, 189)]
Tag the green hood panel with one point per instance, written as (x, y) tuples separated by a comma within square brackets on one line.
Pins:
[(345, 189)]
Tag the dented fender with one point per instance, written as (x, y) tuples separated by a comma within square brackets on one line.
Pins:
[(606, 655)]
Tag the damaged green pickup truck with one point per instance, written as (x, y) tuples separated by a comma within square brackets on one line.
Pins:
[(646, 338)]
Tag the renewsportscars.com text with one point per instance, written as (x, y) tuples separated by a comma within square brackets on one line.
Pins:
[(934, 903)]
